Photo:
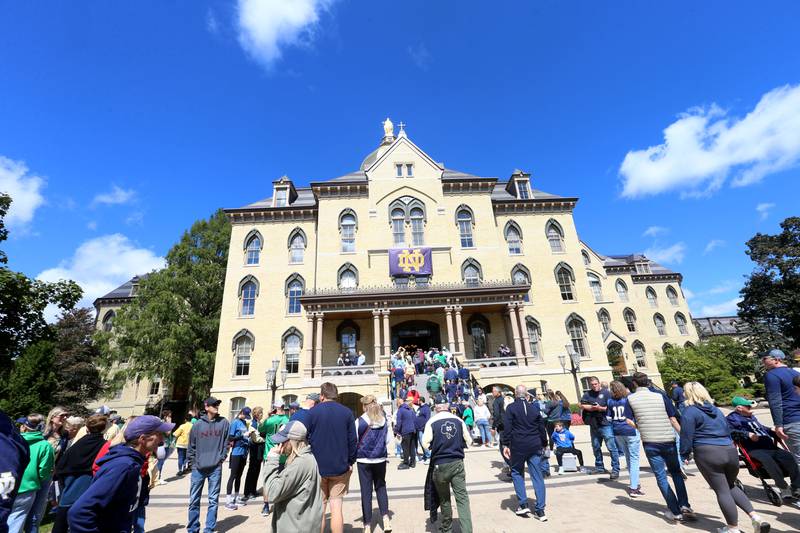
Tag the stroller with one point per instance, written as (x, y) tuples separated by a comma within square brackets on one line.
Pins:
[(756, 470)]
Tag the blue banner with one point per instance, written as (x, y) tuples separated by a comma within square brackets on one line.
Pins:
[(410, 262)]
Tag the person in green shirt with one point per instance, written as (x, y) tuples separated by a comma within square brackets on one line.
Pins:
[(469, 418), (269, 427)]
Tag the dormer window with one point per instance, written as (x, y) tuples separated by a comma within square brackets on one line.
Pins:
[(523, 189), (642, 268), (281, 197), (404, 170)]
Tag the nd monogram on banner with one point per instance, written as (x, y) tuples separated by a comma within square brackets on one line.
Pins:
[(407, 261), (411, 261)]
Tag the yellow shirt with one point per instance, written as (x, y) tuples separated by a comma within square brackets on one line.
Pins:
[(182, 435)]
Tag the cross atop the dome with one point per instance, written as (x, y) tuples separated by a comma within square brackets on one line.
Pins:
[(402, 132)]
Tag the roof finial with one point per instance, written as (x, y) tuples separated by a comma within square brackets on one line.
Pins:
[(388, 128), (402, 132)]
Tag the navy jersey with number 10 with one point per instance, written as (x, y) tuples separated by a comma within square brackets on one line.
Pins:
[(617, 413)]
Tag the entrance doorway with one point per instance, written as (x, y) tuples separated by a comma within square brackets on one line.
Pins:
[(352, 401), (416, 333)]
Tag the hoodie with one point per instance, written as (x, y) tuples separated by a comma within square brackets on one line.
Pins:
[(13, 460), (703, 425), (523, 430), (423, 415), (108, 504), (741, 427), (405, 420), (208, 443), (40, 467)]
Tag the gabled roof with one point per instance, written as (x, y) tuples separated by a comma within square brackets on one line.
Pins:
[(392, 147), (122, 293), (719, 325)]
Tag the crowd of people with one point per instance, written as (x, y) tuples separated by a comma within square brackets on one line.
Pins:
[(96, 473)]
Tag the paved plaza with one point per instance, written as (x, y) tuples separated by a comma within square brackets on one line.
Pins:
[(575, 502)]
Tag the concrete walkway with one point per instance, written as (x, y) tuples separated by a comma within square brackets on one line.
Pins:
[(575, 502)]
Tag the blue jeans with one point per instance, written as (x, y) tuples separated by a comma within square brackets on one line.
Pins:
[(20, 510), (486, 434), (38, 508), (214, 481), (630, 447), (600, 435), (138, 519), (426, 454), (663, 458), (535, 463), (181, 458)]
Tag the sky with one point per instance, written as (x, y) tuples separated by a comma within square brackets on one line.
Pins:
[(677, 124)]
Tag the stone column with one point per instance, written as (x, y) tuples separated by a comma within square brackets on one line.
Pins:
[(318, 343), (387, 335), (526, 339), (451, 344), (512, 316), (376, 335), (309, 340), (459, 330)]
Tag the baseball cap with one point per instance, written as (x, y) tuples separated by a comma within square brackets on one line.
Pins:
[(441, 399), (738, 400), (246, 412), (313, 396), (294, 405), (212, 401), (277, 405), (102, 410), (142, 425), (776, 353), (292, 430)]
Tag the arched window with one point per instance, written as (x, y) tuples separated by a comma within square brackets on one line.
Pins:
[(521, 276), (478, 328), (672, 295), (555, 236), (630, 319), (597, 288), (666, 346), (535, 337), (688, 344), (565, 279), (398, 227), (622, 290), (347, 230), (237, 404), (347, 339), (108, 321), (464, 217), (605, 320), (348, 277), (576, 328), (297, 246), (661, 326), (288, 399), (292, 343), (242, 351), (248, 290), (651, 296), (586, 260), (417, 227), (638, 351), (513, 238), (680, 321), (252, 246), (471, 272), (294, 290)]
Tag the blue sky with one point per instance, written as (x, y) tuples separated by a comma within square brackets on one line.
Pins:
[(676, 123)]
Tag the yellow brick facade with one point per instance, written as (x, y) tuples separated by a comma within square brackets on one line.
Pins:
[(374, 304)]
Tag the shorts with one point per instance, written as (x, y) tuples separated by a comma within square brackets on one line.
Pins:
[(335, 486)]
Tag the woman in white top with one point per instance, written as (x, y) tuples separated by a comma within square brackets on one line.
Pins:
[(372, 453), (482, 416)]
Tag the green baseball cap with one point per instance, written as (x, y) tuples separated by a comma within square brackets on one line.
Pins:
[(738, 400)]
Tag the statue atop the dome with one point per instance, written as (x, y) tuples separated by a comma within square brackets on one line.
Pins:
[(388, 128)]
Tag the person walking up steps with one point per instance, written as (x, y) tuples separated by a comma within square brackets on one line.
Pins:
[(705, 431), (406, 428), (620, 415), (525, 438), (374, 441), (208, 446), (446, 436), (423, 415)]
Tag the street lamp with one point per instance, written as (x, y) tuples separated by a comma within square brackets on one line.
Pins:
[(574, 366), (272, 374)]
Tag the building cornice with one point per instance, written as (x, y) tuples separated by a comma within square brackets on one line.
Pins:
[(543, 205), (326, 189), (473, 185), (244, 215), (649, 278)]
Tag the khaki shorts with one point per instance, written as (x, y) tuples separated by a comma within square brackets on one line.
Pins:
[(335, 487)]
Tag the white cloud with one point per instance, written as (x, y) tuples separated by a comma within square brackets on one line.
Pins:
[(92, 225), (712, 245), (102, 264), (670, 254), (689, 294), (727, 307), (268, 26), (763, 209), (117, 196), (211, 22), (24, 189), (655, 231), (705, 146), (722, 288), (420, 56)]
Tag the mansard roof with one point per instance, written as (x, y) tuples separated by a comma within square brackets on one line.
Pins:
[(123, 293)]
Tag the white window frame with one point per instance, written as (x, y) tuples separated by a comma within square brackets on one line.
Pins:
[(281, 197)]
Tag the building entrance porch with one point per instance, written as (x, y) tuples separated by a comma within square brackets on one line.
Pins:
[(413, 334)]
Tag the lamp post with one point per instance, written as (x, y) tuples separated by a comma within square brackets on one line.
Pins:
[(272, 374), (574, 366)]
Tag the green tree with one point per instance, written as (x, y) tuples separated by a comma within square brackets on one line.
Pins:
[(32, 382), (5, 203), (770, 306), (170, 329), (709, 363), (79, 380)]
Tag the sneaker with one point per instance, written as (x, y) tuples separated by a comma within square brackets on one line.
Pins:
[(560, 470), (759, 525), (403, 466), (672, 517), (241, 500), (387, 524), (687, 512), (162, 482), (231, 506), (633, 493), (426, 461), (540, 516), (265, 510), (614, 475), (523, 510)]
